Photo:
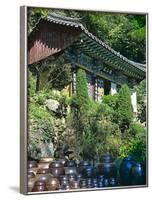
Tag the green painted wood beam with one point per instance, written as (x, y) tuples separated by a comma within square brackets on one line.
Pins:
[(95, 48), (101, 75), (92, 44), (114, 62), (117, 66)]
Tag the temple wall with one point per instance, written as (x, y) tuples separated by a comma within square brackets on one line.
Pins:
[(48, 40), (96, 88), (134, 100), (113, 89)]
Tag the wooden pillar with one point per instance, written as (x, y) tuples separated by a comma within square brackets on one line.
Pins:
[(95, 81), (113, 88), (95, 87), (107, 87), (74, 76)]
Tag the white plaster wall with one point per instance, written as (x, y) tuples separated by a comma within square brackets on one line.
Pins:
[(113, 89), (134, 101)]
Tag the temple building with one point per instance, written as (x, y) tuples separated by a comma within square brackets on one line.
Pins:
[(56, 35)]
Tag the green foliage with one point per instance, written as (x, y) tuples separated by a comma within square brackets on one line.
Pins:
[(87, 145), (44, 127), (31, 84), (91, 128), (41, 96), (138, 150), (124, 113), (110, 100), (81, 89), (34, 14), (125, 33), (40, 131), (80, 101), (36, 111), (136, 129), (136, 147), (108, 137), (59, 74), (40, 136), (135, 143), (141, 100), (104, 112), (55, 75), (101, 131), (92, 108)]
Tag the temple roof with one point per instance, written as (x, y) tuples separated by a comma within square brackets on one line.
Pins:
[(97, 48)]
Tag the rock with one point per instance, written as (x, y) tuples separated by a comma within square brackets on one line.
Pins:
[(53, 105), (46, 149), (40, 139)]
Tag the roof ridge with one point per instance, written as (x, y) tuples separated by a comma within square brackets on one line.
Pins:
[(61, 17)]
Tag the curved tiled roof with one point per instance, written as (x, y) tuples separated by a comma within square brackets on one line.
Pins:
[(95, 46)]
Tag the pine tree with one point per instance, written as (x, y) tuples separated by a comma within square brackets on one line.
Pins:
[(81, 89), (81, 101)]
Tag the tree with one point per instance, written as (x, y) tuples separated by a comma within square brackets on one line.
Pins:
[(141, 101), (124, 112), (81, 89), (34, 14), (80, 102), (126, 33)]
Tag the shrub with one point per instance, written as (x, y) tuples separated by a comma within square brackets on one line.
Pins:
[(40, 132), (36, 112), (136, 129), (87, 145), (104, 135), (31, 84), (81, 89), (124, 112), (80, 101), (110, 100), (40, 138), (136, 147), (104, 112), (135, 143), (108, 138), (141, 100)]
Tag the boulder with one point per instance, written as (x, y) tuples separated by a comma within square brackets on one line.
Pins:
[(53, 105)]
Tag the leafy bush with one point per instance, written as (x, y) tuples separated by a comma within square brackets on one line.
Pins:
[(40, 138), (59, 74), (108, 138), (35, 111), (40, 132), (136, 147), (104, 112), (87, 145), (136, 129), (110, 100), (141, 100), (135, 143), (101, 135), (31, 84)]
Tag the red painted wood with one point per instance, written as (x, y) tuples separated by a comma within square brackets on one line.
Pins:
[(49, 39)]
